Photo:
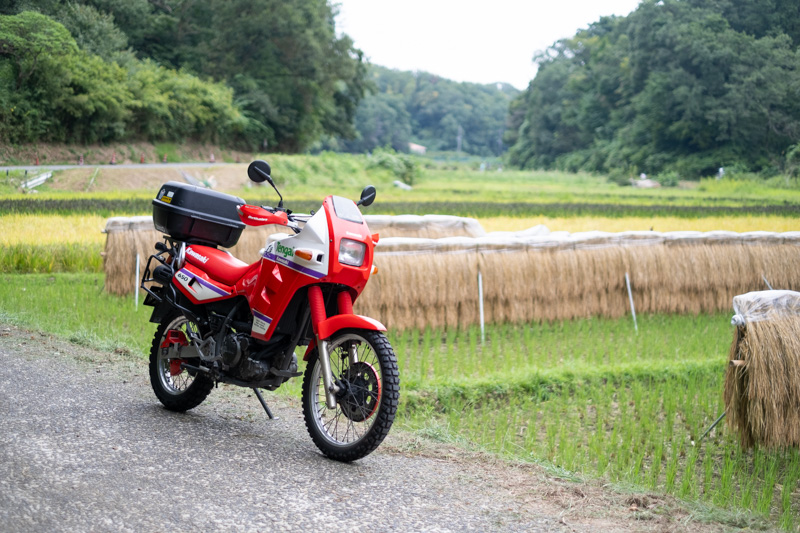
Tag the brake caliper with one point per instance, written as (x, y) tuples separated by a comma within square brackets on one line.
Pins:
[(174, 339)]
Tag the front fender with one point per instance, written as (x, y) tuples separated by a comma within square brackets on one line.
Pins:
[(329, 326)]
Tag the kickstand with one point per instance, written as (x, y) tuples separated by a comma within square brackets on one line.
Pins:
[(264, 404)]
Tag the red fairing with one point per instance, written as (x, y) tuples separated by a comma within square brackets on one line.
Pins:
[(353, 277), (253, 215), (219, 265)]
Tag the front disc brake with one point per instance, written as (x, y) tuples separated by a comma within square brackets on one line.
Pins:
[(362, 391)]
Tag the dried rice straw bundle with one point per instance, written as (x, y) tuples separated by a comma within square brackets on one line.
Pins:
[(776, 266), (116, 263), (540, 268), (762, 383), (127, 237)]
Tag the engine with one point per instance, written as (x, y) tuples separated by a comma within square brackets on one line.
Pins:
[(234, 346), (248, 360), (236, 355)]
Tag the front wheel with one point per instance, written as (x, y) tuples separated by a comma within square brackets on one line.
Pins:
[(365, 369)]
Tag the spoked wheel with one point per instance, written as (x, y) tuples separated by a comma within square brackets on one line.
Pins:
[(365, 369), (177, 388)]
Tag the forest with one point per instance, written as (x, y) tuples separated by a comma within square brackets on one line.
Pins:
[(678, 88), (259, 75), (440, 114)]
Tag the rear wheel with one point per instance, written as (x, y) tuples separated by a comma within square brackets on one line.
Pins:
[(177, 388), (365, 369)]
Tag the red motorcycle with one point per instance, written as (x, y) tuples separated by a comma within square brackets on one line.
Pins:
[(221, 320)]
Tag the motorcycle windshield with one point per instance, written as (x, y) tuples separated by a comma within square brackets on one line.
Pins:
[(346, 209)]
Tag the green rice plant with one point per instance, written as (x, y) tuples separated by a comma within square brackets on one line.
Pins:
[(655, 467), (749, 482), (768, 480), (788, 518), (708, 475), (49, 258), (725, 487), (671, 471), (688, 486)]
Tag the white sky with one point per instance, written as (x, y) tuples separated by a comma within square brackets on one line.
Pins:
[(465, 40)]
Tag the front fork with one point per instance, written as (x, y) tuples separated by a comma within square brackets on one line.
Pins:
[(317, 304)]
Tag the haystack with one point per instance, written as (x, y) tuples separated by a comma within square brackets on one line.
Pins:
[(530, 275), (762, 383)]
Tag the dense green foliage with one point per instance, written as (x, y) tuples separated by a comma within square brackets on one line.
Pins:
[(265, 73), (422, 108), (53, 90), (682, 86)]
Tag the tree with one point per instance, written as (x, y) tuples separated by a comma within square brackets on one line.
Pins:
[(31, 41), (293, 78), (52, 90), (290, 70), (381, 120), (678, 85)]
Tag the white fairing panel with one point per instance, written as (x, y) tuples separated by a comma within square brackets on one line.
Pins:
[(313, 238), (198, 287), (261, 323)]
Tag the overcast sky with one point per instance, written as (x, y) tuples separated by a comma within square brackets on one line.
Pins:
[(483, 42)]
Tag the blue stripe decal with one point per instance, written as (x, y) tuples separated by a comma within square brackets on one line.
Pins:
[(294, 266), (258, 315)]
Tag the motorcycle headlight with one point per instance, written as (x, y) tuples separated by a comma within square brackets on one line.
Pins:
[(351, 252)]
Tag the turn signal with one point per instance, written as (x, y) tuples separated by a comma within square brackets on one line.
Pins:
[(374, 270), (304, 254)]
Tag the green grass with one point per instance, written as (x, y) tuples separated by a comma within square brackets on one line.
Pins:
[(588, 398), (49, 258), (76, 307)]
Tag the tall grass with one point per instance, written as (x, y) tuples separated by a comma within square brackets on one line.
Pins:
[(51, 243)]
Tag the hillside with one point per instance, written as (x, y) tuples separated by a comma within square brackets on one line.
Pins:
[(433, 112), (248, 75), (678, 87)]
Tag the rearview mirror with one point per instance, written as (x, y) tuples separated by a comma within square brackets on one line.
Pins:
[(259, 171), (367, 196)]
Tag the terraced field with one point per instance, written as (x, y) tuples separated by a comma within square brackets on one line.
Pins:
[(589, 398)]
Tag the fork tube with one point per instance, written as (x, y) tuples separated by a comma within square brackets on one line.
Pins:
[(327, 376), (317, 305)]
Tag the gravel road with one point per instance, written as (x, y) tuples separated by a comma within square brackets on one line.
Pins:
[(85, 446)]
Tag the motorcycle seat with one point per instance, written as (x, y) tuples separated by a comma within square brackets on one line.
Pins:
[(219, 265)]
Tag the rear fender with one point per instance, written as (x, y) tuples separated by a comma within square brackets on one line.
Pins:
[(329, 326)]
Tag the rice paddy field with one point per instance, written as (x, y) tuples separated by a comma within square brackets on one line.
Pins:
[(589, 398)]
